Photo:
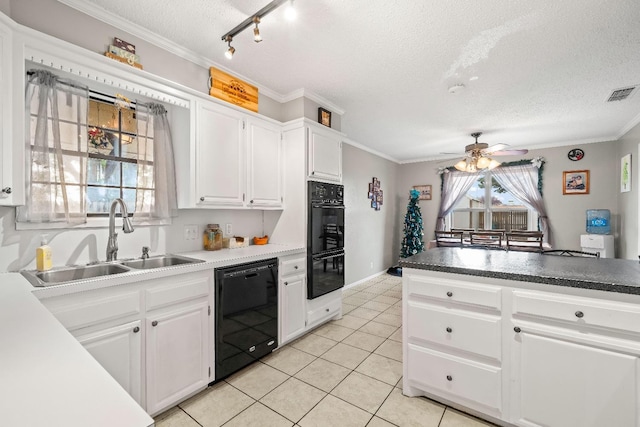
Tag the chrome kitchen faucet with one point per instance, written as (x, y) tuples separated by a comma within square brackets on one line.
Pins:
[(127, 227)]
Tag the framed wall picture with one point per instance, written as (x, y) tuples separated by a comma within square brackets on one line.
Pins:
[(575, 182), (625, 174), (425, 191), (324, 117)]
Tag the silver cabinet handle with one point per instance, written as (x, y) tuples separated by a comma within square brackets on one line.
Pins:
[(154, 323), (579, 314), (136, 330), (6, 190)]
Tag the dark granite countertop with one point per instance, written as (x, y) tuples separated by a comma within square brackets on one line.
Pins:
[(605, 274)]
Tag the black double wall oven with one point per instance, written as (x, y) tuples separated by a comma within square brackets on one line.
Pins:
[(325, 239)]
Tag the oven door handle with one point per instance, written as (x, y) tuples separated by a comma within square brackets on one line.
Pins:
[(322, 258), (328, 206)]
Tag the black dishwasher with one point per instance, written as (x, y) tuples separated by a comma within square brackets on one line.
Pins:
[(246, 315)]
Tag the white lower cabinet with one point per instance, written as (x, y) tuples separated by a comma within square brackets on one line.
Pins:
[(177, 355), (560, 381), (152, 336), (556, 357), (119, 350), (292, 293)]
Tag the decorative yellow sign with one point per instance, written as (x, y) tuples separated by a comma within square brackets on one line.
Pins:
[(231, 89)]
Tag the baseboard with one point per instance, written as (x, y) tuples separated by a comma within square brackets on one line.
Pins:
[(350, 285)]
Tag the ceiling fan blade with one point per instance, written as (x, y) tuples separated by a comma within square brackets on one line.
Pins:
[(494, 148), (509, 152)]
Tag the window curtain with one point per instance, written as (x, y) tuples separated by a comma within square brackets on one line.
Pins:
[(56, 150), (455, 185), (522, 182), (156, 195)]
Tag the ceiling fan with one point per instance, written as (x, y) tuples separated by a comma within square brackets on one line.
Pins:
[(477, 155)]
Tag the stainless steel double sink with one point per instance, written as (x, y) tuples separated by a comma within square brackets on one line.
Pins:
[(70, 274)]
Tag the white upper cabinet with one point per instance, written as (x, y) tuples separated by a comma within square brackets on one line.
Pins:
[(237, 159), (325, 154), (11, 165), (219, 156), (264, 164)]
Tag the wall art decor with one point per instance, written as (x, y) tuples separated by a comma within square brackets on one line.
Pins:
[(575, 182), (375, 193), (231, 89), (575, 154), (625, 174), (425, 191), (324, 117)]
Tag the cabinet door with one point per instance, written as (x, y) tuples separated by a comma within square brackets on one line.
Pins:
[(264, 158), (561, 382), (219, 156), (177, 349), (325, 155), (119, 350), (10, 165), (293, 312)]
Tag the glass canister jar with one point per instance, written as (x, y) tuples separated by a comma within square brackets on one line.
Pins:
[(212, 237)]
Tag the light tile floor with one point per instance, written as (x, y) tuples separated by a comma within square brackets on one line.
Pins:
[(347, 372)]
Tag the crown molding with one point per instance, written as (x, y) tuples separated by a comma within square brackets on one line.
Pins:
[(370, 150), (632, 123), (304, 93)]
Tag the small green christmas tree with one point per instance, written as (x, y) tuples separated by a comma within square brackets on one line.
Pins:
[(412, 243)]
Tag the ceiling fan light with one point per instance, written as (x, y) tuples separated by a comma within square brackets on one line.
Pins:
[(461, 165), (483, 162)]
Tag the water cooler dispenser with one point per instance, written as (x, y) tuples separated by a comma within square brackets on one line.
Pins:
[(599, 238)]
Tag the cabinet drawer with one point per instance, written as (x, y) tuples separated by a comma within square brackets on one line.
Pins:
[(292, 265), (86, 310), (455, 376), (578, 310), (173, 293), (330, 309), (455, 291), (459, 329)]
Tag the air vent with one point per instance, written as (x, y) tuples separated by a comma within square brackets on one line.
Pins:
[(620, 94)]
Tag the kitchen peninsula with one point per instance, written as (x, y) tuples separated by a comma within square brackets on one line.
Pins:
[(524, 338)]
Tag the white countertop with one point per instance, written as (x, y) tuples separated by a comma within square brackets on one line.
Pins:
[(47, 377)]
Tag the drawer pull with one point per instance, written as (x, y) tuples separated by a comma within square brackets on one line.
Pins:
[(154, 323), (449, 378), (327, 310), (286, 283), (517, 330), (449, 294), (449, 330), (579, 314), (295, 267), (136, 330), (6, 190), (202, 199)]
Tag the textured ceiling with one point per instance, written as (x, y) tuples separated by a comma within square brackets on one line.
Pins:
[(535, 73)]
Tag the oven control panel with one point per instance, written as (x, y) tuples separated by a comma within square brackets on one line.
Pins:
[(329, 194)]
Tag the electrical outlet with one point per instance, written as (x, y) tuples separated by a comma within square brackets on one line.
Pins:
[(228, 229), (190, 232)]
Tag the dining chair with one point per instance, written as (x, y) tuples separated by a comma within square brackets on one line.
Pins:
[(527, 241), (449, 238), (486, 237)]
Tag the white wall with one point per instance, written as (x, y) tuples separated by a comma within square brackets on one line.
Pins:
[(567, 213), (369, 234)]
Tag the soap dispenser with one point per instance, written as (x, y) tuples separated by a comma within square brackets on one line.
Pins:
[(43, 256)]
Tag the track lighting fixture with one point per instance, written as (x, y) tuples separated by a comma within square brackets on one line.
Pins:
[(256, 31), (290, 13), (229, 53)]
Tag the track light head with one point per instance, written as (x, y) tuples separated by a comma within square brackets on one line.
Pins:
[(229, 53), (256, 31)]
